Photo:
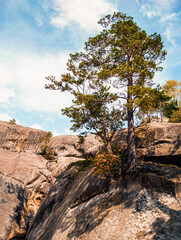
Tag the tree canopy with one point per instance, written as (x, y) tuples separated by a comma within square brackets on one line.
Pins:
[(127, 57), (121, 59)]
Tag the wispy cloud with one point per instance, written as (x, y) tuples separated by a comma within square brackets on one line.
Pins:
[(6, 92), (84, 13), (27, 77), (156, 8), (5, 117), (170, 17)]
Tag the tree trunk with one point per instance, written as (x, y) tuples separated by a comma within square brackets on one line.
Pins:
[(131, 133), (131, 142), (109, 148)]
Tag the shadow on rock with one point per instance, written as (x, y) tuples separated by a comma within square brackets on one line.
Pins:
[(170, 229)]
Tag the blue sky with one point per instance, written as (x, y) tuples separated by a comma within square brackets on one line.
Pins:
[(37, 37)]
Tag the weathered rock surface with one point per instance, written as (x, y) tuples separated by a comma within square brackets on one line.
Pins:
[(26, 177), (81, 206), (154, 139), (68, 145), (24, 182), (16, 138), (159, 139), (68, 150)]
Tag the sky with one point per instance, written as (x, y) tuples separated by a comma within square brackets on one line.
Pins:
[(37, 37)]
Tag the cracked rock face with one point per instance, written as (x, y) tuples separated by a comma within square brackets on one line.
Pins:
[(80, 202), (24, 182), (82, 206), (16, 138), (159, 139), (26, 177), (154, 139), (68, 145)]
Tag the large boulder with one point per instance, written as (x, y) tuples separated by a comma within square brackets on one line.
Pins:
[(68, 149), (69, 145), (82, 206), (153, 139), (159, 139)]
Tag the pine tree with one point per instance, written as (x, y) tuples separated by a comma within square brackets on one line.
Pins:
[(128, 58), (121, 57)]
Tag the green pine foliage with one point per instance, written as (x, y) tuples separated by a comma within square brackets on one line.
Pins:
[(116, 67)]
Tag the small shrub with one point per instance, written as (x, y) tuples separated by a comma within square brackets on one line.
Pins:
[(107, 165), (46, 152), (12, 121)]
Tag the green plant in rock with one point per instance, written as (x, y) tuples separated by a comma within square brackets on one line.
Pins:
[(12, 121), (83, 164), (46, 152), (107, 165)]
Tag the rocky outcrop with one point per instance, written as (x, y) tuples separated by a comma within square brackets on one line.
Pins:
[(26, 176), (24, 182), (159, 139), (82, 206), (69, 145), (78, 204), (16, 138), (154, 139), (67, 149)]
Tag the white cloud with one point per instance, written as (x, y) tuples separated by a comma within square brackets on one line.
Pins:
[(39, 19), (36, 126), (172, 33), (169, 17), (5, 117), (5, 80), (156, 8), (165, 10), (84, 13), (27, 78), (169, 36), (50, 120), (55, 133), (5, 94), (70, 132)]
